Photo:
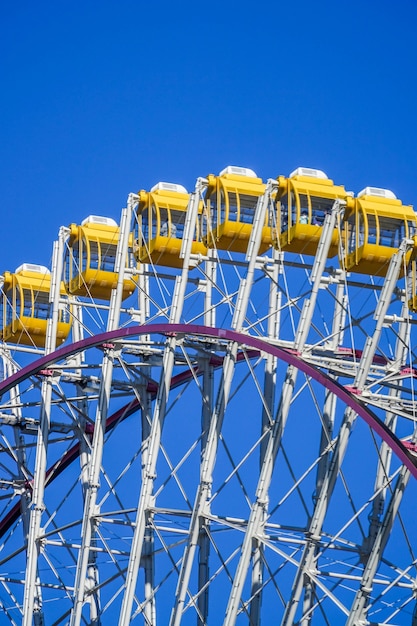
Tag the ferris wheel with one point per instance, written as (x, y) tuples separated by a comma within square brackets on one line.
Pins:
[(208, 411)]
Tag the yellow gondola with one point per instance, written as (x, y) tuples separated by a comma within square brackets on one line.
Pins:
[(25, 307), (302, 201), (375, 223), (90, 259), (160, 227), (231, 201)]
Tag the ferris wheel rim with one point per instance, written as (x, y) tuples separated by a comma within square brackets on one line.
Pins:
[(291, 357)]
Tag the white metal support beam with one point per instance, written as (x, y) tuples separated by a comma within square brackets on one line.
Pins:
[(91, 489), (208, 459), (274, 316), (328, 417), (259, 507), (329, 480), (381, 523), (207, 409), (149, 472), (32, 609), (203, 538), (92, 580), (149, 611)]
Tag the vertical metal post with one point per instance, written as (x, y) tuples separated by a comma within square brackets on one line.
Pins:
[(209, 456), (329, 480), (207, 409), (328, 418), (381, 523), (274, 315), (149, 610), (203, 539), (259, 507), (209, 306), (92, 577), (92, 487), (31, 599), (146, 492)]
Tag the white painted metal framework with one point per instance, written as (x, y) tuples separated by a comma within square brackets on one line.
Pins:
[(233, 444)]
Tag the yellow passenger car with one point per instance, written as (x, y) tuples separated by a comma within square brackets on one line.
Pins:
[(375, 223), (90, 258), (25, 307), (161, 219), (231, 201), (303, 200)]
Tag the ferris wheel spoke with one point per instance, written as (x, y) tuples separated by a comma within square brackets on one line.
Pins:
[(380, 526), (32, 600), (216, 421), (258, 510), (329, 481), (147, 487), (86, 558)]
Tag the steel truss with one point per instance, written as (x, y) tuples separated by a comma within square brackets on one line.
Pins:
[(236, 442)]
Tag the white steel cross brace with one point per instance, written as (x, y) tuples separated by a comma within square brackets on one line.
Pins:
[(329, 480), (258, 510)]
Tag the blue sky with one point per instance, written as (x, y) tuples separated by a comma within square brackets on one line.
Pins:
[(104, 98)]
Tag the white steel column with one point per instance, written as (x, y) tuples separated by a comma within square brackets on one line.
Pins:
[(149, 473), (149, 610), (259, 507), (381, 523), (385, 452), (92, 487), (208, 459), (328, 418), (274, 315), (329, 480), (203, 539), (211, 274), (207, 409), (92, 579), (32, 609)]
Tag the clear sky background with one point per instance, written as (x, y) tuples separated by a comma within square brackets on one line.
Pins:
[(100, 99)]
